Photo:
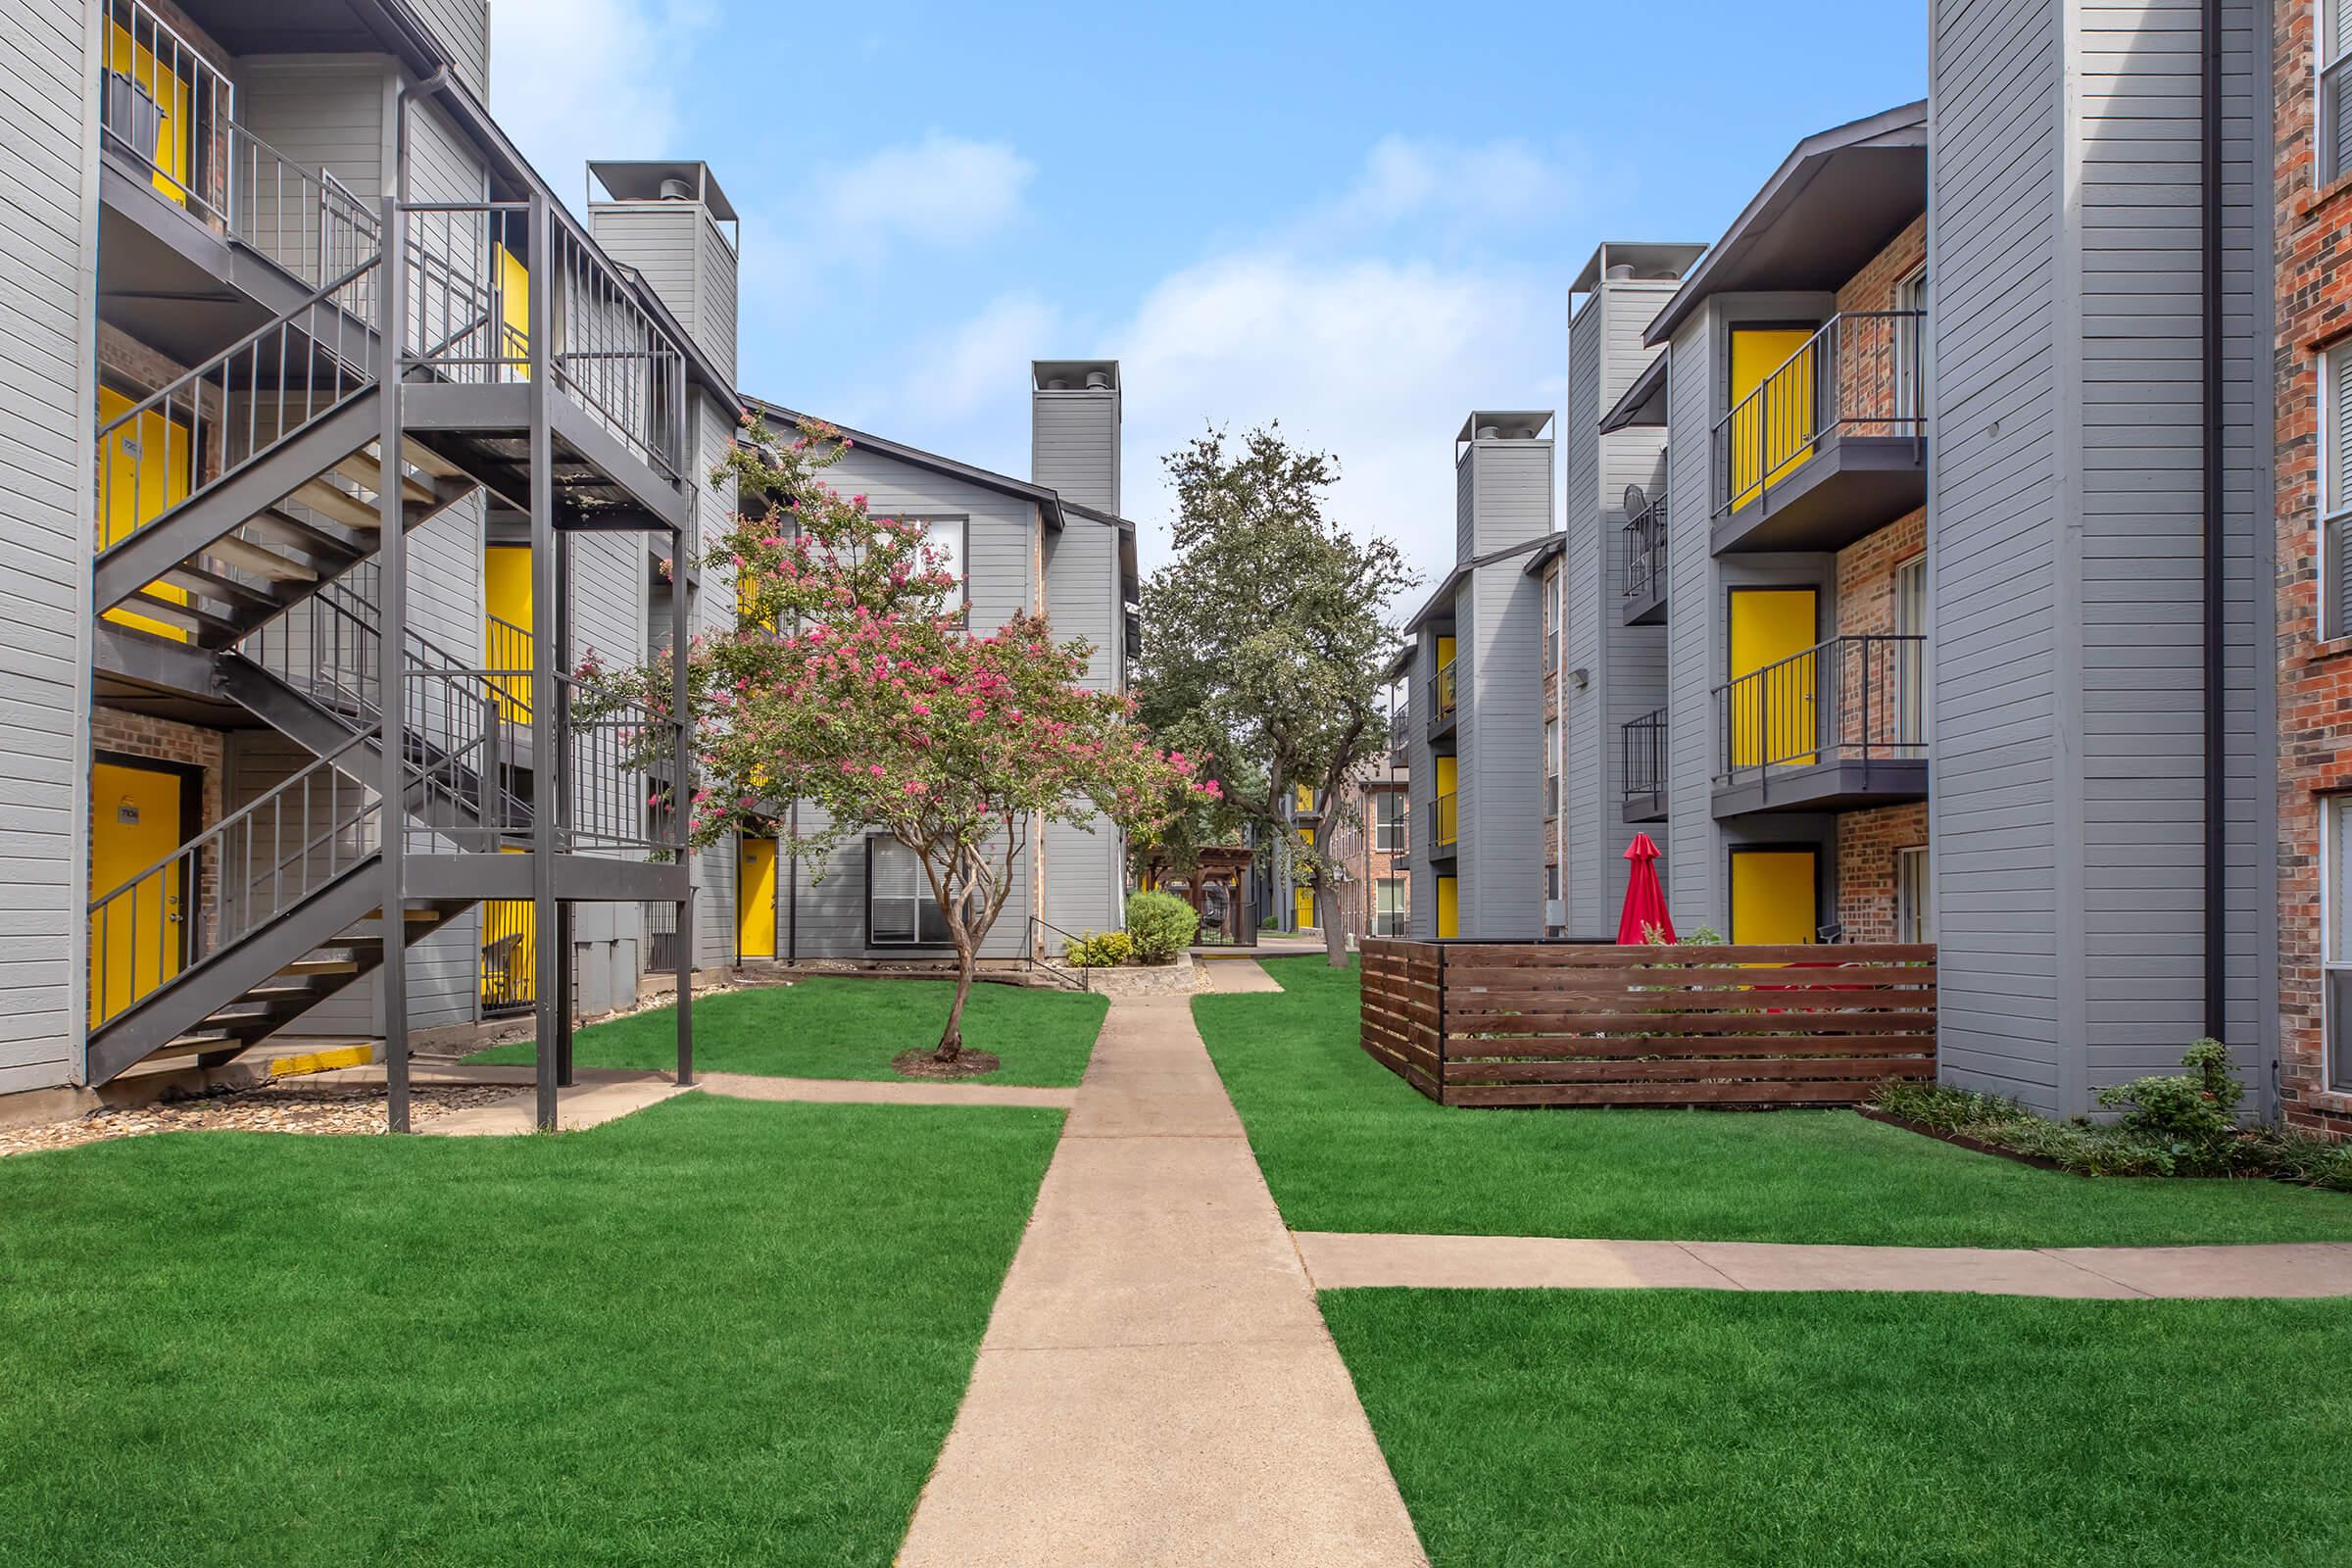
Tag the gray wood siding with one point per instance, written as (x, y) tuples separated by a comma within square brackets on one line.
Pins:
[(716, 293), (1501, 749), (1074, 446), (322, 112), (48, 173), (1588, 808), (1999, 578), (462, 27), (1085, 872), (684, 259)]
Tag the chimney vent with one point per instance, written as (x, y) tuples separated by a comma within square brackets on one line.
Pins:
[(1620, 272), (1098, 380), (1059, 383), (675, 190), (1489, 432)]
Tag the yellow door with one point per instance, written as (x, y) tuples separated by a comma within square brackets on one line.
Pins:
[(755, 898), (1449, 906), (1449, 827), (509, 967), (1773, 893), (1773, 435), (149, 80), (507, 596), (135, 940), (1773, 715), (512, 280), (1447, 695), (143, 471)]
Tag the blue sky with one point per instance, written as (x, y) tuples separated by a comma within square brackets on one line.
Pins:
[(1361, 221)]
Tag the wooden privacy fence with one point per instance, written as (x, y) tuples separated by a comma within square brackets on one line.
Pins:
[(1542, 1024)]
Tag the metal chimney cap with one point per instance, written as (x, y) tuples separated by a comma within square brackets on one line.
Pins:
[(1489, 432), (1098, 380), (675, 190), (1058, 384)]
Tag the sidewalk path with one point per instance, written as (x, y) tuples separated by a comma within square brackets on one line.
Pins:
[(1338, 1261), (893, 1092), (1156, 1386), (1237, 974)]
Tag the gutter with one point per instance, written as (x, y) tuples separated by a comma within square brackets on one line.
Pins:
[(2209, 348)]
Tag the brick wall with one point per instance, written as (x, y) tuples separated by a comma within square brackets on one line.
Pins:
[(2315, 677), (1867, 842), (1871, 348)]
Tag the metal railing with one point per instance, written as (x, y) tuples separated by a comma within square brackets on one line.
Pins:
[(310, 223), (1441, 695), (1849, 698), (1448, 822), (1646, 550), (167, 107), (1037, 957), (243, 404), (1643, 761), (1401, 722), (1857, 375), (249, 868), (604, 749), (472, 307)]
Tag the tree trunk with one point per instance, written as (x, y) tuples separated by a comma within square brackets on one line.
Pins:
[(951, 1039), (1334, 928)]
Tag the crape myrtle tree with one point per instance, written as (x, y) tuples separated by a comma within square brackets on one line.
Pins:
[(1265, 638), (845, 683)]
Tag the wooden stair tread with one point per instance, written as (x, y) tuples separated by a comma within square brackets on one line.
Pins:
[(337, 504), (361, 469), (244, 553)]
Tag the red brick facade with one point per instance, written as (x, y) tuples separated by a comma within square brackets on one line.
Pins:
[(2315, 677)]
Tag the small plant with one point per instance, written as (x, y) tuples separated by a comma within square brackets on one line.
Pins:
[(2193, 1114), (1159, 926), (1941, 1107), (1104, 949)]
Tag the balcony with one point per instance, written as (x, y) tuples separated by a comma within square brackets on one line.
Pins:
[(1441, 701), (1842, 724), (1401, 732), (1830, 447), (1447, 835), (1642, 791), (1642, 600)]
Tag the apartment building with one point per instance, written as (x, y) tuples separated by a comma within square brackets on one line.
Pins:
[(1368, 842), (1474, 735), (1051, 544)]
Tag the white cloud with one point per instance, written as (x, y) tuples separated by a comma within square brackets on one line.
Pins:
[(983, 362), (574, 79), (943, 190), (1491, 184)]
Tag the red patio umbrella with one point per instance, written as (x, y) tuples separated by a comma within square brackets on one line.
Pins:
[(1644, 900)]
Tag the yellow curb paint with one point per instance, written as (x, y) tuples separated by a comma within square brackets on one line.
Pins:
[(320, 1061)]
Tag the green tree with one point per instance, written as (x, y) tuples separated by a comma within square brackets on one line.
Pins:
[(845, 683), (1265, 638)]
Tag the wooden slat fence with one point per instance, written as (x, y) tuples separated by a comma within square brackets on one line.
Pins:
[(1473, 1024)]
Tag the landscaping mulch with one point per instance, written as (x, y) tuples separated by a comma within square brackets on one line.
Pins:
[(280, 1108), (925, 1064)]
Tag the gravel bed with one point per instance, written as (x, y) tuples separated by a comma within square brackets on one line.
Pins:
[(285, 1107)]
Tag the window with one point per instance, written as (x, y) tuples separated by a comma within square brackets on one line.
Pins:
[(2336, 71), (1551, 769), (1388, 907), (1388, 821), (1551, 623), (1910, 349), (2335, 935), (946, 538), (1914, 896), (899, 910), (2335, 486), (1910, 658)]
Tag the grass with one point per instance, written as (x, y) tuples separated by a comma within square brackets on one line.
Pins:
[(716, 1331), (1347, 1146), (830, 1027), (1538, 1427)]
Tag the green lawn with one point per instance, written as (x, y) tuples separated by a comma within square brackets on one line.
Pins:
[(1540, 1427), (830, 1027), (714, 1332), (1346, 1146)]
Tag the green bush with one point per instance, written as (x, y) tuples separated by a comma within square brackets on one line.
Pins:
[(2194, 1114), (1943, 1108), (1161, 925), (1104, 949)]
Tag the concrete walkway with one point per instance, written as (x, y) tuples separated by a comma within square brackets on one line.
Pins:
[(1156, 1386), (1237, 974), (895, 1092), (1338, 1261)]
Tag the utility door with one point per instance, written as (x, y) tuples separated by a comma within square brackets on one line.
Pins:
[(1449, 906), (755, 898), (507, 630), (1770, 435), (143, 473), (137, 817), (1774, 676)]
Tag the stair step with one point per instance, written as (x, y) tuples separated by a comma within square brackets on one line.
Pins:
[(328, 551), (337, 504), (361, 469), (418, 456), (245, 553), (197, 1044), (321, 967), (225, 590), (209, 629)]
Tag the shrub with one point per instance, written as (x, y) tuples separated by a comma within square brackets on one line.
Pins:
[(2193, 1114), (1943, 1108), (1104, 949), (1160, 925)]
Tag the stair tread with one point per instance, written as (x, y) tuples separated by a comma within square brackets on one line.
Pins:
[(226, 589), (262, 562), (321, 546), (212, 629), (339, 505), (361, 469)]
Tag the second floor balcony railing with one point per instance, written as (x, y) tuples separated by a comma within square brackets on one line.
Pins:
[(1441, 696), (1850, 699), (1644, 755), (1645, 551), (1859, 375), (1448, 827)]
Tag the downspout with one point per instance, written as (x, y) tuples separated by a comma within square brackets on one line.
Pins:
[(2215, 822), (415, 90), (792, 886)]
